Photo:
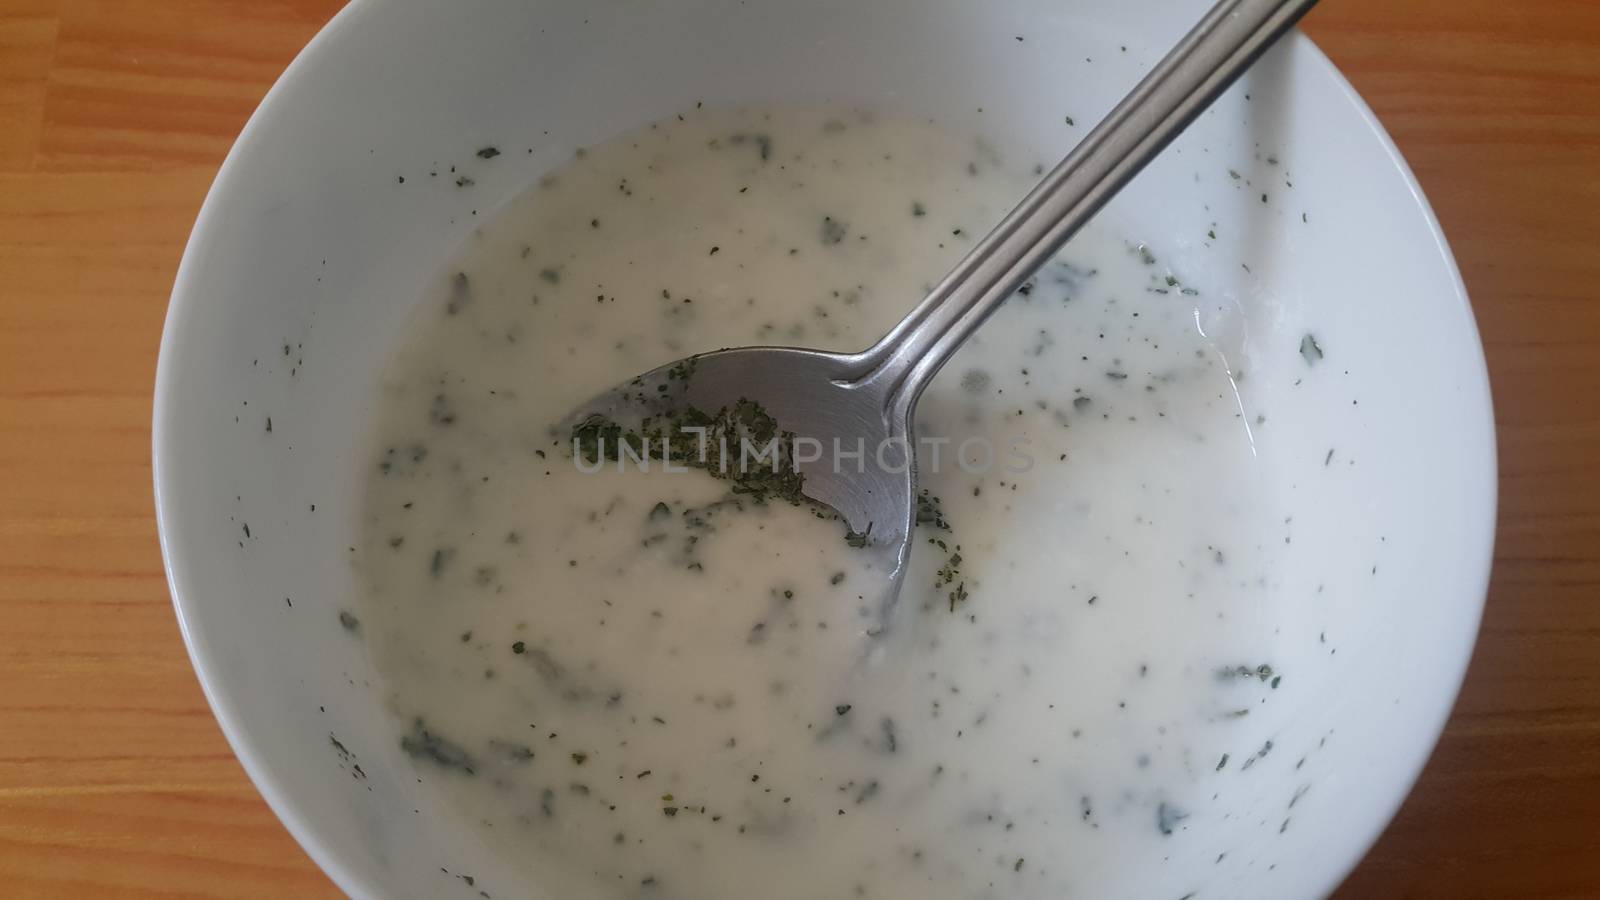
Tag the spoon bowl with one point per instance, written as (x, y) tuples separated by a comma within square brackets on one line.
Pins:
[(852, 457)]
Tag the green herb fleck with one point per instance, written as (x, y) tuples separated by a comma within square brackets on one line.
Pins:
[(424, 744), (858, 539)]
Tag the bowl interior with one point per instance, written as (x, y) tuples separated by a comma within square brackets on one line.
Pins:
[(309, 252)]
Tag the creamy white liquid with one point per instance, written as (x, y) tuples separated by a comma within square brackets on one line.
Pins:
[(628, 713)]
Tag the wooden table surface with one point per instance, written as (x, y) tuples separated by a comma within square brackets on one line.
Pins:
[(114, 115)]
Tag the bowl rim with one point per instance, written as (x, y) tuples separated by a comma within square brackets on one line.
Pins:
[(1461, 656), (270, 782)]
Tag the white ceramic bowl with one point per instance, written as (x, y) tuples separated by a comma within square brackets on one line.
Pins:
[(309, 252)]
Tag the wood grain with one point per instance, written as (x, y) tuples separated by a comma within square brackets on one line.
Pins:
[(114, 780)]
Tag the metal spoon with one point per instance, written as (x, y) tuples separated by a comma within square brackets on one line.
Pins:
[(865, 403)]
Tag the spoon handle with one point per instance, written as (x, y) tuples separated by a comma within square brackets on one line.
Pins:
[(1185, 83)]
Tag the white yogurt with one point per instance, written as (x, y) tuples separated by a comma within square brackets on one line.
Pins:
[(636, 692)]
